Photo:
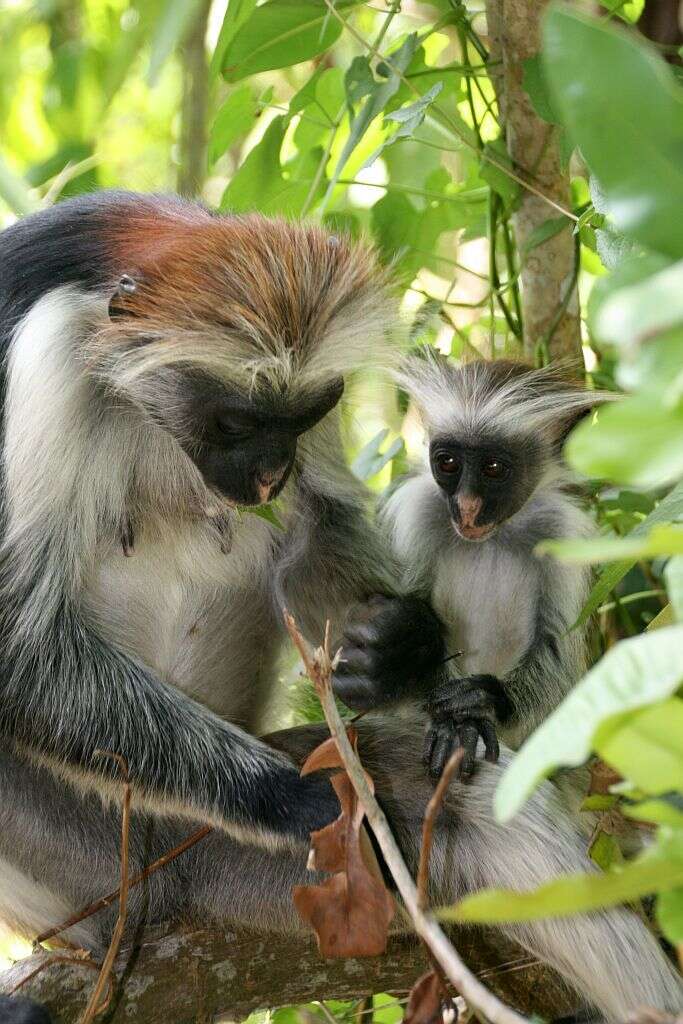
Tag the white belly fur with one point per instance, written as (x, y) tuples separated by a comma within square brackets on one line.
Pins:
[(481, 592)]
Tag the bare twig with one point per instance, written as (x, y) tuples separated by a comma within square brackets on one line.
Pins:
[(95, 1004), (319, 667), (105, 901), (431, 814)]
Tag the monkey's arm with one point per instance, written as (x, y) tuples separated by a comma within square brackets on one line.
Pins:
[(66, 694), (463, 709), (337, 565)]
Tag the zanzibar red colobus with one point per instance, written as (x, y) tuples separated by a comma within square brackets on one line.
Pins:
[(161, 367)]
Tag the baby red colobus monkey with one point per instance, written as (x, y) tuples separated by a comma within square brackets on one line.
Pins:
[(465, 529)]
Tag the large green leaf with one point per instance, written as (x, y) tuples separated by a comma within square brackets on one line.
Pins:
[(637, 313), (233, 120), (572, 894), (668, 510), (646, 745), (661, 540), (624, 109), (670, 914), (635, 441), (278, 34), (262, 184), (634, 673), (673, 575)]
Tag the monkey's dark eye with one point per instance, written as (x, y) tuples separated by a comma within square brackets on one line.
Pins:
[(494, 469), (447, 464)]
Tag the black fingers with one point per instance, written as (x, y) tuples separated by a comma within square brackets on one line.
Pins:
[(390, 650)]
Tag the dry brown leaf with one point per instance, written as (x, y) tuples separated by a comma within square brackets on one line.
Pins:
[(425, 1003), (350, 912), (326, 755), (602, 777)]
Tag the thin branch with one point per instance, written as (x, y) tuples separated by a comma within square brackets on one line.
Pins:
[(431, 814), (95, 1004), (105, 901), (319, 667)]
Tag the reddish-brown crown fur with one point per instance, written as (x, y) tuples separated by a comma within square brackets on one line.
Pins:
[(261, 287)]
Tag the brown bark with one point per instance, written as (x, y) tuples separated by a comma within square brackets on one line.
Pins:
[(185, 975), (194, 105), (548, 270), (662, 22)]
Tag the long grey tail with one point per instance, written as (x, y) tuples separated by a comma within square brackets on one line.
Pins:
[(610, 958)]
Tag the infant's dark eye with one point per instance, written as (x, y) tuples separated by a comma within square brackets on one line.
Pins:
[(494, 469), (447, 464)]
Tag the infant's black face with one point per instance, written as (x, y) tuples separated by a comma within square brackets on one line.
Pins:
[(485, 481)]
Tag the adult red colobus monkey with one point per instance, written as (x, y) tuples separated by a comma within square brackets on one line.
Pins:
[(162, 366)]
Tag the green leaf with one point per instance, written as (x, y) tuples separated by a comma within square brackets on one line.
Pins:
[(634, 314), (238, 12), (668, 510), (279, 34), (634, 673), (623, 107), (370, 460), (175, 20), (548, 229), (536, 88), (233, 120), (267, 512), (634, 442), (571, 894), (630, 10), (661, 540), (669, 913), (262, 184), (408, 118), (605, 850), (665, 810), (673, 575), (380, 92), (646, 746)]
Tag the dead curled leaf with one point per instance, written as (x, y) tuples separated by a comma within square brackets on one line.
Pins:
[(425, 1003), (350, 911)]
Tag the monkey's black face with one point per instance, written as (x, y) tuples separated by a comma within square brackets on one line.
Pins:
[(485, 482), (244, 447)]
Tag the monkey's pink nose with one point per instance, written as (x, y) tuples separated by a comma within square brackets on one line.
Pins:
[(267, 481), (469, 508)]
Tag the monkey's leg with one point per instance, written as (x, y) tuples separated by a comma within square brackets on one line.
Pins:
[(70, 844)]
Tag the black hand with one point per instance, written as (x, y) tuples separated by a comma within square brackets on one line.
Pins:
[(461, 711), (390, 650)]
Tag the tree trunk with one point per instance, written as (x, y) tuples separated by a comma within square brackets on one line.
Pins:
[(192, 976), (194, 105), (550, 304)]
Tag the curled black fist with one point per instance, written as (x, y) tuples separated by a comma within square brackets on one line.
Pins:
[(391, 649), (462, 710)]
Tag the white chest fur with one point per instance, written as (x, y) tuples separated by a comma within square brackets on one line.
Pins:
[(172, 596), (482, 592)]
